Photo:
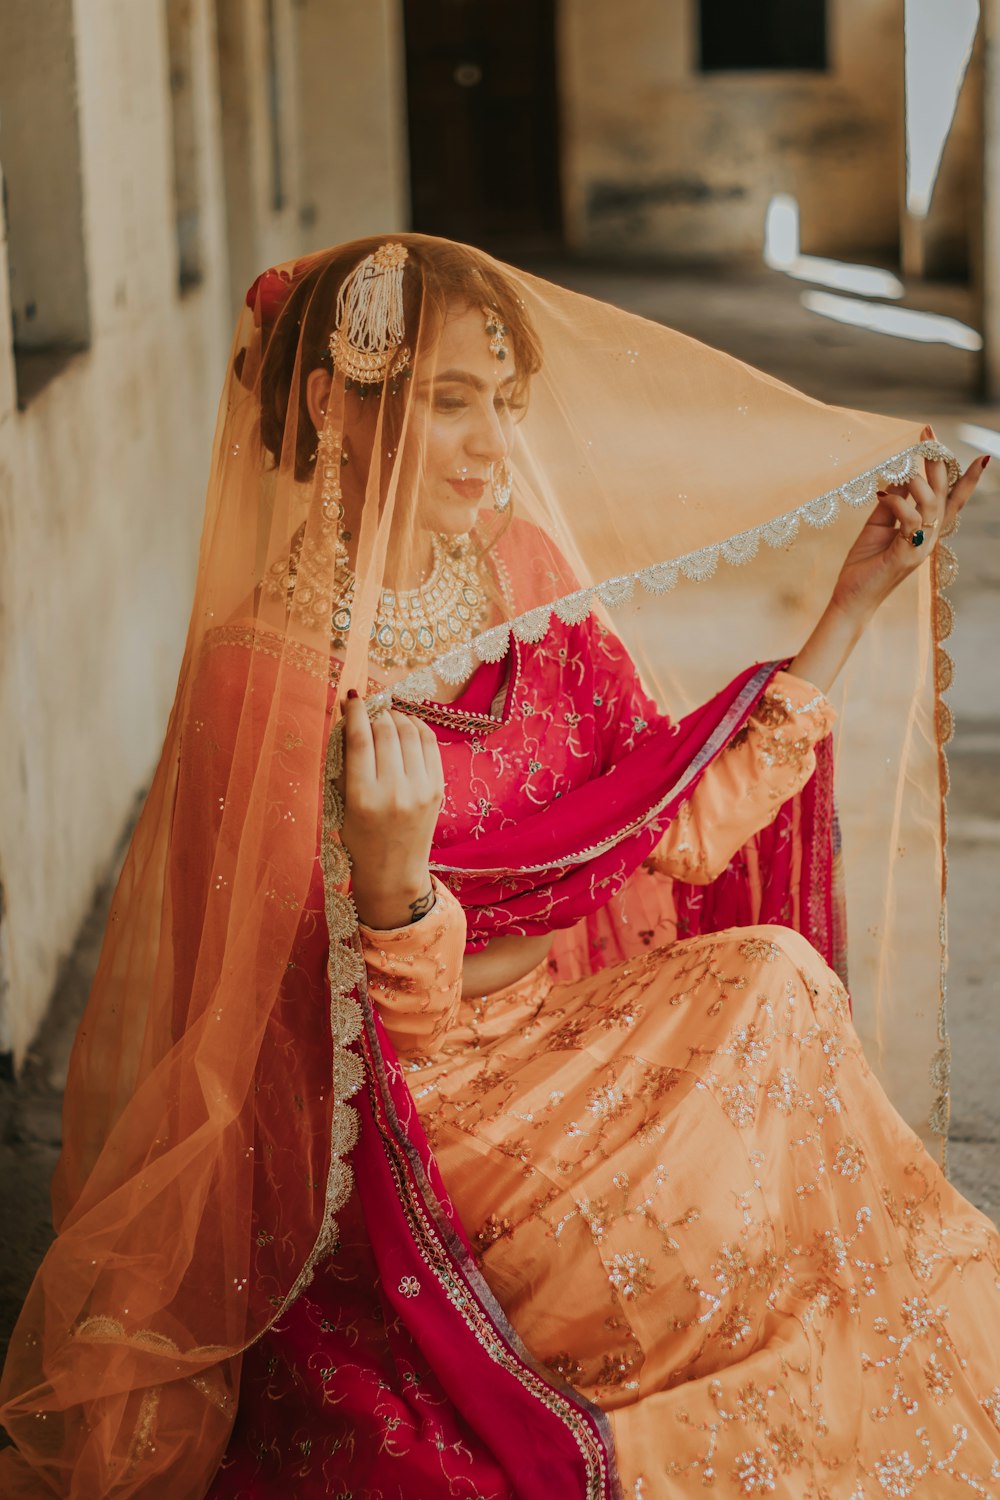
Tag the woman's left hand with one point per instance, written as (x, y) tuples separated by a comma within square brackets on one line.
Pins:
[(883, 555), (900, 534)]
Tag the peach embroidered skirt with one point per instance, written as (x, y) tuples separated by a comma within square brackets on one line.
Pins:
[(697, 1205)]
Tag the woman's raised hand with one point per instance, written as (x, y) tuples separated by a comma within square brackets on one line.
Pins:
[(884, 552), (881, 557), (393, 786)]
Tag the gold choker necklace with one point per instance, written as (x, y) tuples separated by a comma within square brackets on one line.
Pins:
[(413, 626)]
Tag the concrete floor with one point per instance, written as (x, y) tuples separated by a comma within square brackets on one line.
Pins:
[(760, 318)]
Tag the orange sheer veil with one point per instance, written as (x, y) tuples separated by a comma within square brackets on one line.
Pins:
[(699, 506)]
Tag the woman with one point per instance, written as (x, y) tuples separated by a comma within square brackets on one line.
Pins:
[(518, 1141)]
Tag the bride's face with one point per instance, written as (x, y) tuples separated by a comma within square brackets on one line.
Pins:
[(465, 415)]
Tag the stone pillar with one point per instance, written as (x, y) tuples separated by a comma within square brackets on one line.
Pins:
[(352, 99)]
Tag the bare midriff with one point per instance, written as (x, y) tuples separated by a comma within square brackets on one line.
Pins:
[(503, 961)]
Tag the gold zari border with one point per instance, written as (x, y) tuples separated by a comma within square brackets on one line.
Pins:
[(944, 571)]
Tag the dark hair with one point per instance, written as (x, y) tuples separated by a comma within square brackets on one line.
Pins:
[(438, 275)]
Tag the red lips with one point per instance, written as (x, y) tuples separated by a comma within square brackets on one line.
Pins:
[(469, 489)]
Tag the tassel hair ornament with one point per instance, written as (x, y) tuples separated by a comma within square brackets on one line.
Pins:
[(367, 343)]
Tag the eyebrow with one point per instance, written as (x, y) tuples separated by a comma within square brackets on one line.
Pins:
[(464, 377)]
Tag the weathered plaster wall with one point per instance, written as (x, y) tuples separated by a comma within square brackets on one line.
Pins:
[(340, 124), (101, 482), (354, 151), (297, 140), (260, 111), (666, 163)]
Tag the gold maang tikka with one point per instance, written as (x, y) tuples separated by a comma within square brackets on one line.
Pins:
[(497, 330)]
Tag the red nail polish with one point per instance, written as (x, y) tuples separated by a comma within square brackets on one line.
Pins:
[(987, 459), (881, 494), (352, 693)]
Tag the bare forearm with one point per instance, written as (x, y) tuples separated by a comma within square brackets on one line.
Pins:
[(831, 643), (386, 904)]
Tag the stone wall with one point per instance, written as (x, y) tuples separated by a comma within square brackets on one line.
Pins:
[(355, 177), (107, 414), (668, 164)]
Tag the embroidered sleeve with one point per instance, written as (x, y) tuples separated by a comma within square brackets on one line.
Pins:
[(415, 974), (770, 760), (623, 710)]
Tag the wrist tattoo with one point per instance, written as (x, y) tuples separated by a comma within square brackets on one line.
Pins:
[(422, 905)]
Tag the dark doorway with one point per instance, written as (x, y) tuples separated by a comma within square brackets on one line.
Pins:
[(484, 122)]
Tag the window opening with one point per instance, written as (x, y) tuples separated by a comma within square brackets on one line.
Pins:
[(770, 35), (274, 102), (43, 190), (184, 131)]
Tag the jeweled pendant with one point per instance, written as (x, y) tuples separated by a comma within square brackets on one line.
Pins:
[(411, 625)]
